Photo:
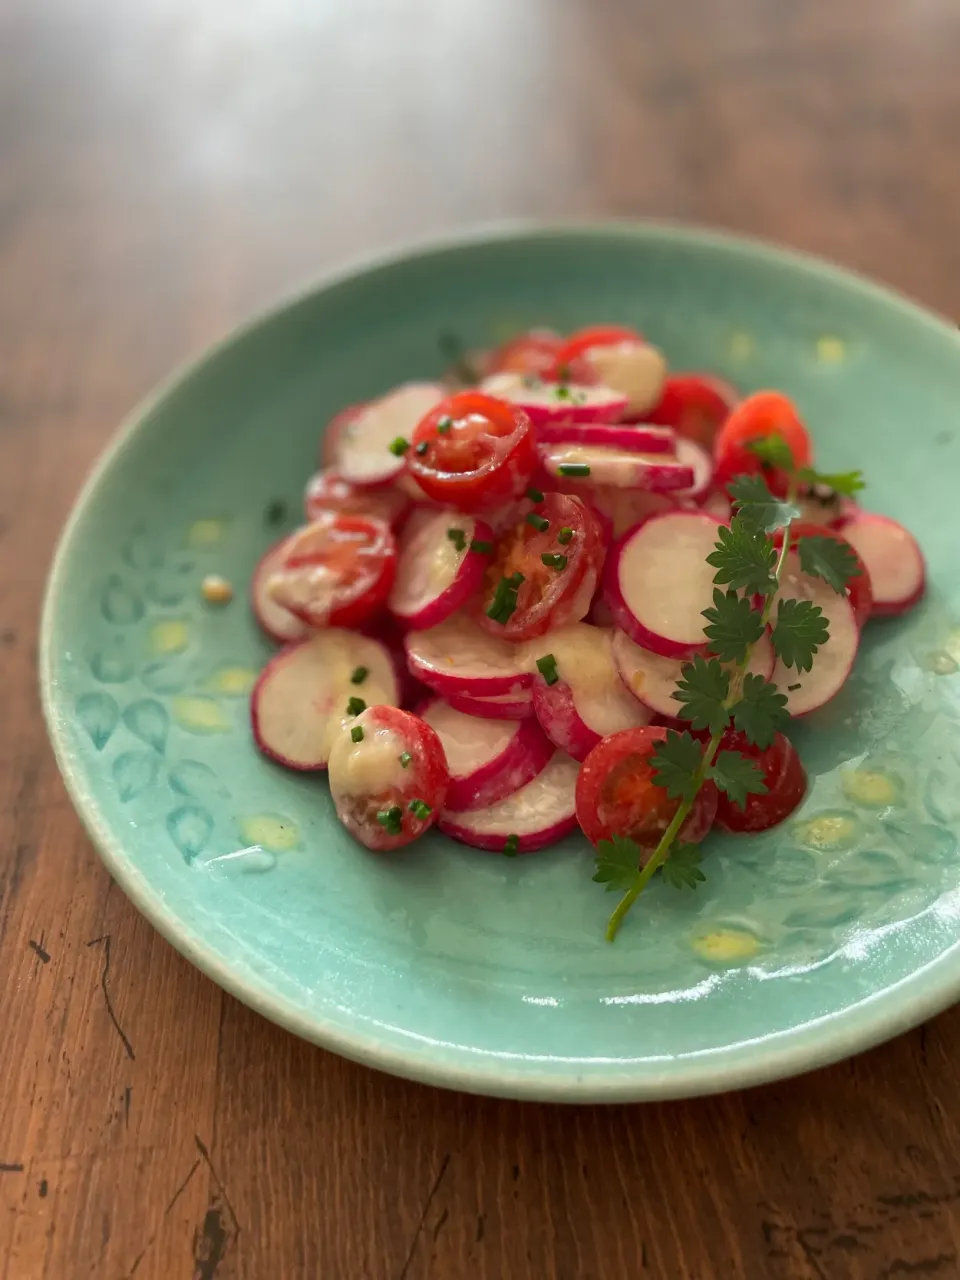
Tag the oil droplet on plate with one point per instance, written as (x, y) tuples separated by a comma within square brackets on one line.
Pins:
[(205, 533), (724, 946), (172, 635), (872, 788), (742, 345), (271, 831), (940, 663), (231, 681), (831, 350), (831, 831), (199, 715)]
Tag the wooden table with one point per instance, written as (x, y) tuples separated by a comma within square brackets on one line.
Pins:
[(166, 168)]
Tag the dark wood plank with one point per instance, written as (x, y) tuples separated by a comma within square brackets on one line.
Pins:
[(166, 168)]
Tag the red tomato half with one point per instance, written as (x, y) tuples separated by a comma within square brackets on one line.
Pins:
[(533, 353), (473, 451), (544, 594), (696, 405), (327, 491), (786, 782), (571, 367), (336, 571), (617, 794), (765, 413), (389, 787), (860, 588)]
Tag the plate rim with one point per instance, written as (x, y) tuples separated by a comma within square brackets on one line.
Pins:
[(807, 1046)]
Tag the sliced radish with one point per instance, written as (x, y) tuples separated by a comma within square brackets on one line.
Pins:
[(328, 491), (362, 452), (823, 506), (300, 700), (657, 582), (623, 509), (330, 440), (438, 570), (717, 504), (457, 657), (488, 759), (894, 561), (654, 472), (588, 701), (536, 815), (636, 369), (653, 678), (806, 691), (638, 438), (695, 456), (546, 402), (502, 706), (279, 623)]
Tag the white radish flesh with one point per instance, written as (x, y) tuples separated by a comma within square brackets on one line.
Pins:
[(893, 559), (362, 450), (300, 700), (653, 678), (502, 706), (545, 402), (458, 657), (806, 691), (636, 369), (538, 814), (696, 457), (488, 759), (436, 573), (656, 473), (657, 582), (278, 623)]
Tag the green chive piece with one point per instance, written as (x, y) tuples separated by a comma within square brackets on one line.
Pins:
[(554, 561), (399, 446), (504, 600), (359, 675), (534, 494), (484, 548), (391, 820), (511, 846), (355, 706), (420, 809), (356, 733), (422, 448), (444, 424), (562, 392), (547, 666), (405, 759), (515, 579), (573, 469), (458, 538), (565, 535), (538, 522)]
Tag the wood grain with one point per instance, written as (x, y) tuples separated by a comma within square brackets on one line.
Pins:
[(166, 168)]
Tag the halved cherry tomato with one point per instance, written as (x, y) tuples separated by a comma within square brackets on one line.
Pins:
[(337, 571), (328, 491), (390, 786), (765, 413), (571, 367), (617, 794), (533, 353), (525, 595), (473, 451), (860, 588), (786, 782), (696, 405)]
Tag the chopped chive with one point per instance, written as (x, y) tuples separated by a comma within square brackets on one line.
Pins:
[(405, 759), (356, 733), (563, 373), (355, 706), (484, 548), (515, 579), (422, 448), (458, 538), (565, 535), (547, 666), (420, 809), (504, 600), (562, 392), (510, 847), (359, 675), (553, 560), (391, 820), (534, 494), (538, 522), (573, 469), (399, 446), (792, 688), (444, 424)]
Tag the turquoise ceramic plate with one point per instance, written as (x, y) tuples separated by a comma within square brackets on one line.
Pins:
[(467, 969)]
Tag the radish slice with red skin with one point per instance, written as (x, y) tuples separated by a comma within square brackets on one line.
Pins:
[(300, 699), (538, 814), (434, 577), (657, 473), (589, 701), (636, 369), (502, 706), (362, 451), (329, 441), (642, 438), (807, 690), (457, 657), (717, 504), (328, 491), (488, 759), (696, 457), (894, 561), (622, 509), (545, 402), (657, 582), (653, 678), (279, 623)]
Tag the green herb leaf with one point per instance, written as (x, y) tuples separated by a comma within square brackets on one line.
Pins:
[(835, 562), (618, 863), (737, 777), (799, 632), (675, 764), (761, 711), (355, 706), (757, 505), (682, 869), (846, 483), (772, 450), (744, 558), (547, 666), (733, 625), (703, 688), (356, 733)]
